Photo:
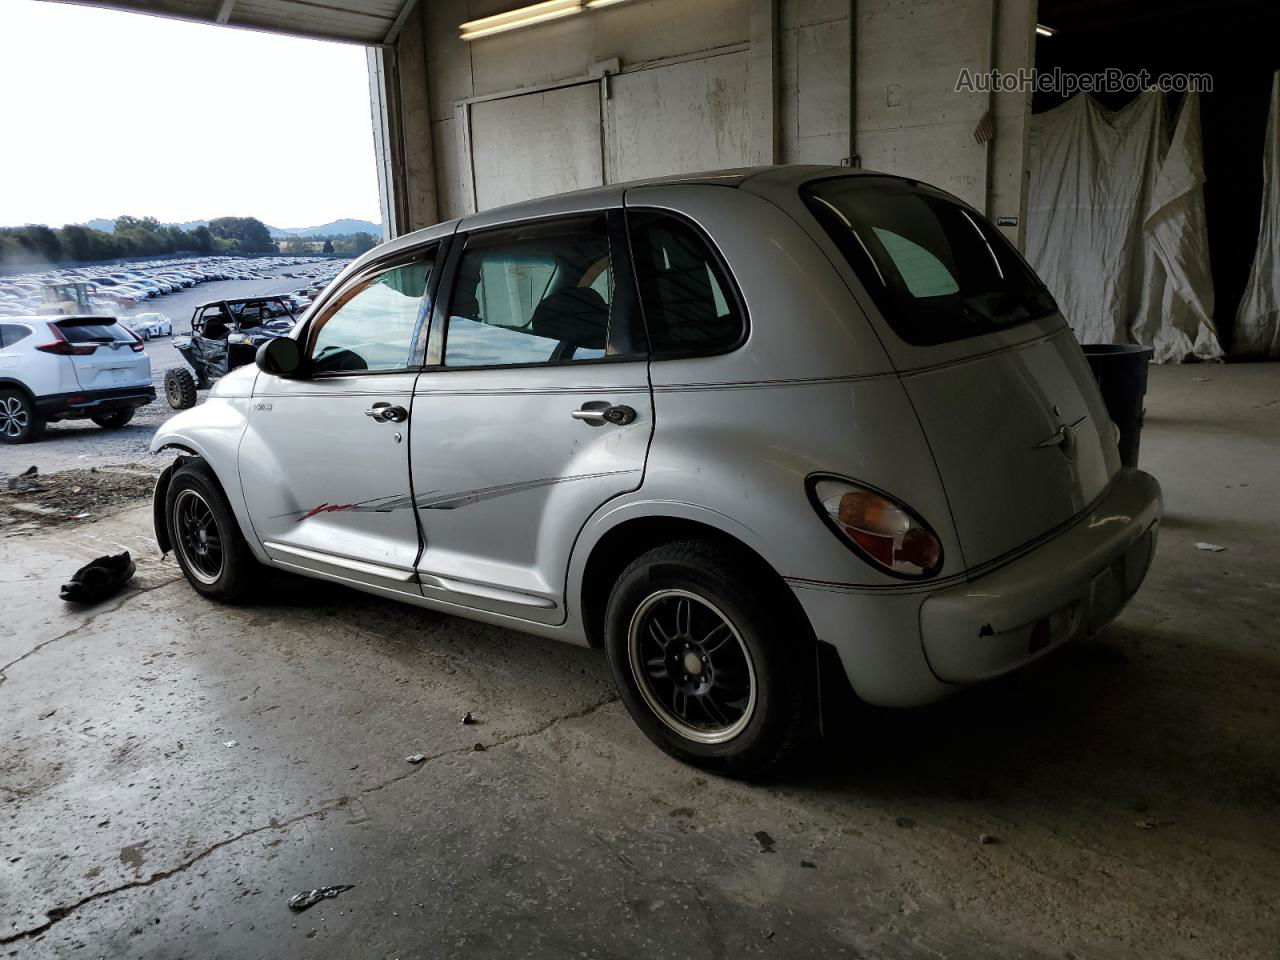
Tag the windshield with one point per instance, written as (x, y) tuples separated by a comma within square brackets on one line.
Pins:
[(937, 271)]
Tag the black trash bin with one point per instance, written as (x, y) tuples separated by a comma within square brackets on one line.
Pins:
[(1121, 372)]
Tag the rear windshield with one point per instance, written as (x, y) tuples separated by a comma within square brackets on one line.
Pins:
[(937, 271), (100, 330)]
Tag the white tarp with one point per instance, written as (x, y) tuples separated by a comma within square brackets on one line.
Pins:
[(1116, 224), (1257, 332)]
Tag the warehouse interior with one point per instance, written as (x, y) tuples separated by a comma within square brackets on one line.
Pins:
[(1116, 800)]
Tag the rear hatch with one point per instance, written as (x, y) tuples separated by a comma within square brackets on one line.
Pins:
[(1017, 428), (104, 354)]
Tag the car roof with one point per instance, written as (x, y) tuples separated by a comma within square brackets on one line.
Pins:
[(763, 179)]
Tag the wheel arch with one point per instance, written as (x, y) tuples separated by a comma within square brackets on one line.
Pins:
[(188, 451), (9, 382), (631, 536)]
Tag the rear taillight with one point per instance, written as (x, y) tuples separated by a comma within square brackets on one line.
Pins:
[(137, 346), (885, 533), (63, 347)]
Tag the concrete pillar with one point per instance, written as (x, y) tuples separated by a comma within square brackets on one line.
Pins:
[(415, 123), (398, 96), (1009, 177), (763, 77)]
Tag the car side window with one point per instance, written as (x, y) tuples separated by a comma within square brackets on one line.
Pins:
[(374, 325), (12, 333), (541, 293), (689, 306)]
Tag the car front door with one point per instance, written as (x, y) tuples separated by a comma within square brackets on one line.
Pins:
[(534, 409), (325, 461)]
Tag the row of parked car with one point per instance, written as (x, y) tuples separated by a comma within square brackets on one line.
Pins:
[(69, 351), (126, 285)]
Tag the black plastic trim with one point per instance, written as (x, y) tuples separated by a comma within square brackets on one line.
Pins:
[(92, 401)]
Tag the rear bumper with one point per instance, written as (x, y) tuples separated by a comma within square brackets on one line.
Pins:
[(88, 403), (1071, 586), (907, 647)]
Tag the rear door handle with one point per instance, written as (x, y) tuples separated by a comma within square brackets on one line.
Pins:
[(617, 414), (384, 412)]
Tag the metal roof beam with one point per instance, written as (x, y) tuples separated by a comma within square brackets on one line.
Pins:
[(405, 9), (224, 11)]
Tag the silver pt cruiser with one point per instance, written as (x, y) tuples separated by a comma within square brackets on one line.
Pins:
[(745, 431)]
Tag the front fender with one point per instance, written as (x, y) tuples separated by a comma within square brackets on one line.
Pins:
[(213, 431)]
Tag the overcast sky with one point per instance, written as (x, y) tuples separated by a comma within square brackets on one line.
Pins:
[(105, 113)]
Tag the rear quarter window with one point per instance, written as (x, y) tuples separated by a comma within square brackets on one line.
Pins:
[(12, 333), (690, 306), (936, 270)]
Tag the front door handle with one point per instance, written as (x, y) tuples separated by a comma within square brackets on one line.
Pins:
[(384, 412), (617, 414)]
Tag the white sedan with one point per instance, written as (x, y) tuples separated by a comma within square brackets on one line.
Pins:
[(148, 325)]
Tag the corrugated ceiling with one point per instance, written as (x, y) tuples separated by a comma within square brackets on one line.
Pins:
[(353, 21)]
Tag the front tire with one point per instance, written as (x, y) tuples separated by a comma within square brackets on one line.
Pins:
[(708, 659), (20, 421), (180, 388), (113, 421), (213, 554)]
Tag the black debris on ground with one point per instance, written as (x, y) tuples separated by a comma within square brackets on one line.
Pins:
[(99, 579), (766, 842)]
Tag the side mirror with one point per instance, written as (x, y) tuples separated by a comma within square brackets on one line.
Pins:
[(280, 357)]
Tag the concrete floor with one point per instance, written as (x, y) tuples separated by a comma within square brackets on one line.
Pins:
[(172, 771)]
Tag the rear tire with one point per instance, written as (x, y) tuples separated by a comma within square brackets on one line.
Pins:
[(180, 388), (113, 421), (20, 421), (207, 542), (706, 660)]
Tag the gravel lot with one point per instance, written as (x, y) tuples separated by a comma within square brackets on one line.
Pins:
[(80, 444)]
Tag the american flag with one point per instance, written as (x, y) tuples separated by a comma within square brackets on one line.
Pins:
[(986, 128)]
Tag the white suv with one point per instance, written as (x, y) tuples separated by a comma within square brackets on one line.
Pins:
[(69, 368)]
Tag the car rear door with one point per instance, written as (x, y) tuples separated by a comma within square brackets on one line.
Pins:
[(533, 411), (1017, 427), (324, 463)]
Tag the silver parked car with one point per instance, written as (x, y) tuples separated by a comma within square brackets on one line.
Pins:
[(751, 433)]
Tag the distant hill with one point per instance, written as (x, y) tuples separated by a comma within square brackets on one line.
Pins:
[(338, 228)]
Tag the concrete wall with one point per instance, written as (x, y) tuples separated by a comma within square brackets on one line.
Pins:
[(911, 119), (814, 81), (652, 87)]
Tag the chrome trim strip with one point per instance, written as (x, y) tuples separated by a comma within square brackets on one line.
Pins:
[(976, 357), (462, 588), (345, 563), (760, 384)]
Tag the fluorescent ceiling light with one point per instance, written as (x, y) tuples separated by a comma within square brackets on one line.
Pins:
[(523, 17), (1044, 31), (603, 3)]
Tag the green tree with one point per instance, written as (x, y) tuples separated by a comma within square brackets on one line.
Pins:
[(328, 246), (202, 240), (249, 233)]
